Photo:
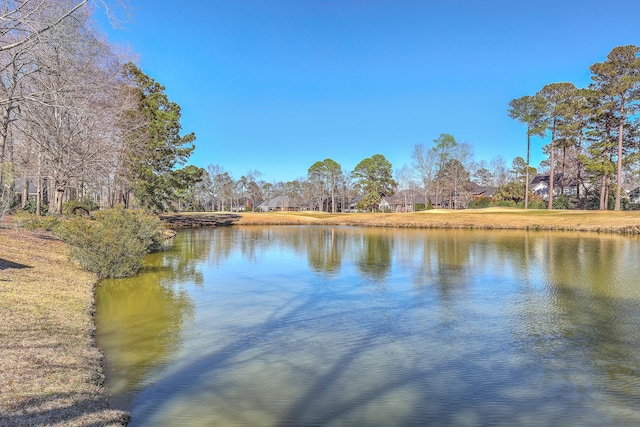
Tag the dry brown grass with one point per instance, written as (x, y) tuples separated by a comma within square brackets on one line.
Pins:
[(491, 218), (50, 369)]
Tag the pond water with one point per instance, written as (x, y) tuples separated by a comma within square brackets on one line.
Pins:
[(340, 326)]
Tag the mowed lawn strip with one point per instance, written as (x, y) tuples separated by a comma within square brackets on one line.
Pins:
[(627, 222), (50, 368)]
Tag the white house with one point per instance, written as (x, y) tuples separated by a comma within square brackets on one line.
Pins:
[(634, 196), (540, 185)]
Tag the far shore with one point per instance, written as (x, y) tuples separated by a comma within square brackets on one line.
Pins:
[(622, 222)]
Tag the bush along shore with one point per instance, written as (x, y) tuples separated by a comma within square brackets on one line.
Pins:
[(50, 369)]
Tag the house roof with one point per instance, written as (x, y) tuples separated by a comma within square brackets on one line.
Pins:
[(634, 193), (276, 202), (540, 179), (557, 180), (400, 199), (486, 191)]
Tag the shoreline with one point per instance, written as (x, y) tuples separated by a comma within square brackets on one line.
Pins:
[(50, 368)]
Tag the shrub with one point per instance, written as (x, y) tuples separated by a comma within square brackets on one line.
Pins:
[(30, 206), (625, 204), (33, 222), (68, 207), (561, 202), (114, 244), (480, 202), (506, 203), (537, 204)]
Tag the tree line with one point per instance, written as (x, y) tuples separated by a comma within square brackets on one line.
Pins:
[(594, 131), (442, 174), (78, 120)]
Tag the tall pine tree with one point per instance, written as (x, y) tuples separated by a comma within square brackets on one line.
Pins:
[(619, 79), (155, 145)]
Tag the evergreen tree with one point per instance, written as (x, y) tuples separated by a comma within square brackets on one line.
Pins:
[(530, 111), (557, 99), (155, 146), (599, 160), (619, 78), (374, 177)]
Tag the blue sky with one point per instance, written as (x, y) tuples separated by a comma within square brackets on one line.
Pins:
[(278, 85)]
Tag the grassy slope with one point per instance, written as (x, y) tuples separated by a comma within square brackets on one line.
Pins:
[(492, 218), (50, 369)]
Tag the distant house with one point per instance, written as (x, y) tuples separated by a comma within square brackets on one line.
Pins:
[(634, 196), (242, 204), (280, 203), (464, 194), (540, 186), (403, 201), (32, 191), (479, 191), (385, 204)]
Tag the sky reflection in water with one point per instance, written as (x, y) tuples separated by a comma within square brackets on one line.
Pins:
[(279, 326)]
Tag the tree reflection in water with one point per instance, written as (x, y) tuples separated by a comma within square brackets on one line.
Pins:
[(337, 325)]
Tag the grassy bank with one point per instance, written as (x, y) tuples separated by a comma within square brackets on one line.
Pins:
[(627, 222), (50, 369)]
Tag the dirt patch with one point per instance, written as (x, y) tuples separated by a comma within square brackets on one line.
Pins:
[(50, 368)]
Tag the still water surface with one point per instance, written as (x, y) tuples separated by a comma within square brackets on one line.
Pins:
[(339, 326)]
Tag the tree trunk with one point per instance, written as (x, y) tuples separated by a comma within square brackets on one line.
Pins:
[(39, 197), (526, 182), (603, 193), (39, 185), (25, 191), (4, 138), (333, 201), (619, 183), (564, 168), (579, 177), (551, 166), (58, 199)]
